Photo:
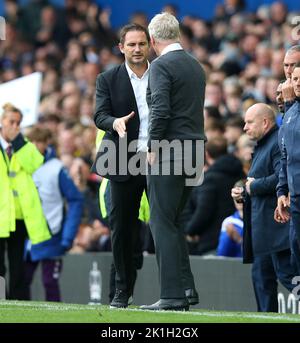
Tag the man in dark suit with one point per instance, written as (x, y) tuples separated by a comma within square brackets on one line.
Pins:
[(270, 240), (175, 97), (122, 111)]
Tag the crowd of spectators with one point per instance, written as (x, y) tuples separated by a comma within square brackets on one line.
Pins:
[(242, 54)]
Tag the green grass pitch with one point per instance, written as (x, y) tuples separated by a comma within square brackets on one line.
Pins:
[(43, 312)]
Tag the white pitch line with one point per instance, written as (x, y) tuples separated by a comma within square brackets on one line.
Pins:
[(193, 313), (229, 315), (50, 306)]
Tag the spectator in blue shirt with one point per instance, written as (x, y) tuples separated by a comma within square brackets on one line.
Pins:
[(231, 235)]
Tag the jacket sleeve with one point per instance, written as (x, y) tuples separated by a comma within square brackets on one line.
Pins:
[(204, 208), (267, 185), (27, 155), (160, 107), (103, 117), (74, 208), (282, 186)]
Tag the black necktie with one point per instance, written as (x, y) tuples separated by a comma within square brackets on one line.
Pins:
[(9, 151)]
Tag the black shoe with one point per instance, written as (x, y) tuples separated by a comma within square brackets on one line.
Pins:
[(192, 296), (120, 299), (168, 304)]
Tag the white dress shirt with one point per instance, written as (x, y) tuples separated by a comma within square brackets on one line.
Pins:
[(171, 47), (139, 86), (3, 143)]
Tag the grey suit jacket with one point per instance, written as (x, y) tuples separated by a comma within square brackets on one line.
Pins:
[(175, 97)]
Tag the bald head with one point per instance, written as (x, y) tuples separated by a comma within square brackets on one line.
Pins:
[(262, 110), (259, 119)]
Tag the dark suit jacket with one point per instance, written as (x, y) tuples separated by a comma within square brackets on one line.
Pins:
[(267, 235), (114, 99), (175, 97)]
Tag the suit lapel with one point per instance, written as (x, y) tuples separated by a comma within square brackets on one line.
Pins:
[(126, 87)]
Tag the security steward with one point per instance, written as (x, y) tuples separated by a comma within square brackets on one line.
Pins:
[(21, 213)]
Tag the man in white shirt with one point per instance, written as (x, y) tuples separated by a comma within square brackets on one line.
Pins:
[(122, 112)]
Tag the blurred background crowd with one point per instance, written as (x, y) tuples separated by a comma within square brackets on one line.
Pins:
[(242, 53)]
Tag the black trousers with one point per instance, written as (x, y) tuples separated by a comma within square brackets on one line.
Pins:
[(125, 203), (14, 245), (138, 259)]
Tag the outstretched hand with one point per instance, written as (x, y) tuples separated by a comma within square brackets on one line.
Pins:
[(119, 124)]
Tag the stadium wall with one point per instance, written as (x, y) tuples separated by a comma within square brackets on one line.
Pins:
[(222, 283)]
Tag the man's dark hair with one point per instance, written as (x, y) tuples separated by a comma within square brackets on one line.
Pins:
[(213, 112), (237, 122), (216, 147), (133, 27)]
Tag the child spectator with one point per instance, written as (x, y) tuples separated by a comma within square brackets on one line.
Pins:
[(231, 235), (55, 187)]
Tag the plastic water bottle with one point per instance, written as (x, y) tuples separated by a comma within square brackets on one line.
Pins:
[(95, 283)]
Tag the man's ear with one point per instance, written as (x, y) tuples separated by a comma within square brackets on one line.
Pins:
[(121, 48)]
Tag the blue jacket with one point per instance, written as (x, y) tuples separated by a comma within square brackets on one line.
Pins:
[(289, 176), (268, 236), (62, 241), (227, 246)]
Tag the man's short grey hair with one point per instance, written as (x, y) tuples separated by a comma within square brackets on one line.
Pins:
[(293, 49), (164, 26)]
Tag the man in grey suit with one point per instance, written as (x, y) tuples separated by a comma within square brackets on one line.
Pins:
[(175, 97)]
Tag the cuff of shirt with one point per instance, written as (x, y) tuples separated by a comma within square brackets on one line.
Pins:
[(282, 192)]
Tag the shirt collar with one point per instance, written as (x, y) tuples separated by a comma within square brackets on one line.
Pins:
[(3, 142), (132, 74), (171, 47)]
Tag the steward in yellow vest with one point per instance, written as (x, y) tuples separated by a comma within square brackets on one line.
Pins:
[(21, 213)]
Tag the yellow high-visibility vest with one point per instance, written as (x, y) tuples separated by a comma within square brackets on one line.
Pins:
[(19, 198)]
